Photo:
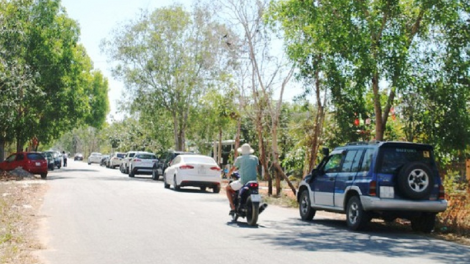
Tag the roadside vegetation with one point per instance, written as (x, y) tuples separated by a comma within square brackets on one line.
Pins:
[(223, 69)]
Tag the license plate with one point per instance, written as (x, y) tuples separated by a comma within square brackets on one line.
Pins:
[(256, 198), (386, 192), (201, 170), (38, 163)]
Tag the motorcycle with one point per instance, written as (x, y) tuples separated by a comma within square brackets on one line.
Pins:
[(247, 202)]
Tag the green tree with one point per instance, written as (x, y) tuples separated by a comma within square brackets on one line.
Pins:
[(46, 76), (369, 45), (167, 57)]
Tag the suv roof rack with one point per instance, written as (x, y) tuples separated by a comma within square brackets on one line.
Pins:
[(373, 142)]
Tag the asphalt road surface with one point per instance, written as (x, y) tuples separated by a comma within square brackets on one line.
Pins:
[(95, 215)]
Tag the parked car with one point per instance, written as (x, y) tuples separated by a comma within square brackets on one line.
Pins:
[(193, 170), (164, 162), (50, 160), (32, 162), (115, 160), (57, 158), (386, 180), (95, 157), (142, 163), (124, 166), (78, 156), (104, 160)]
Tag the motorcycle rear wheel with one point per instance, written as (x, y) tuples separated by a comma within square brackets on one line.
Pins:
[(252, 212)]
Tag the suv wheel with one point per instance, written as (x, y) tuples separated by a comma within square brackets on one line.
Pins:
[(415, 180), (305, 207), (356, 217), (424, 223)]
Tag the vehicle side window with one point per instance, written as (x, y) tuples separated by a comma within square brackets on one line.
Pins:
[(20, 157), (367, 161), (351, 161), (334, 163), (11, 158)]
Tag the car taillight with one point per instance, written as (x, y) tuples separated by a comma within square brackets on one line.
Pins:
[(442, 193), (185, 167), (253, 185), (215, 168), (373, 188)]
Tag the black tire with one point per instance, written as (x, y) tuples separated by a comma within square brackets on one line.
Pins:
[(252, 212), (51, 167), (175, 185), (415, 181), (44, 176), (155, 176), (203, 188), (216, 189), (356, 217), (166, 185), (131, 173), (305, 207), (121, 169), (424, 223)]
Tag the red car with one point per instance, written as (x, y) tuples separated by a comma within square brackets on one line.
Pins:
[(31, 162)]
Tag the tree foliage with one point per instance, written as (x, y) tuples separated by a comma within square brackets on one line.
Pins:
[(410, 56), (166, 56), (46, 76)]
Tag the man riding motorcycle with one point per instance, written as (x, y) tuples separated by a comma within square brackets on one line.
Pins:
[(247, 166)]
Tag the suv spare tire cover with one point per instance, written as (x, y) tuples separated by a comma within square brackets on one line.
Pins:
[(415, 180)]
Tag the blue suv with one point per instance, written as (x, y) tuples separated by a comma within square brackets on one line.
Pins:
[(386, 180)]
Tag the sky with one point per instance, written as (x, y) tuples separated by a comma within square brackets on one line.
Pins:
[(97, 19)]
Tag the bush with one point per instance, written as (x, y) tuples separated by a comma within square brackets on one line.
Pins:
[(456, 219)]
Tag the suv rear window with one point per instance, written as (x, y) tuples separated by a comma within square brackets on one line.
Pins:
[(146, 156), (121, 155), (393, 158), (35, 156)]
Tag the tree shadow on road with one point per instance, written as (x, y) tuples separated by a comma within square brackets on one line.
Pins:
[(379, 239)]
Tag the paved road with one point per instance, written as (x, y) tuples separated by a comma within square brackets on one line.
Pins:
[(94, 215)]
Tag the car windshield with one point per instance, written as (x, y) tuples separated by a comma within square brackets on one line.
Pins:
[(393, 158), (196, 159)]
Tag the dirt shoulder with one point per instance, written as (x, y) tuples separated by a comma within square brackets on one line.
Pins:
[(20, 201)]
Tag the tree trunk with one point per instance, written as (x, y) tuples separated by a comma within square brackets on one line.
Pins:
[(319, 119), (175, 131), (219, 151), (379, 125), (2, 149), (279, 169)]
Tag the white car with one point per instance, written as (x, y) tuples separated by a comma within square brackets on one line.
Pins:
[(141, 163), (124, 166), (95, 157), (193, 170), (115, 160)]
